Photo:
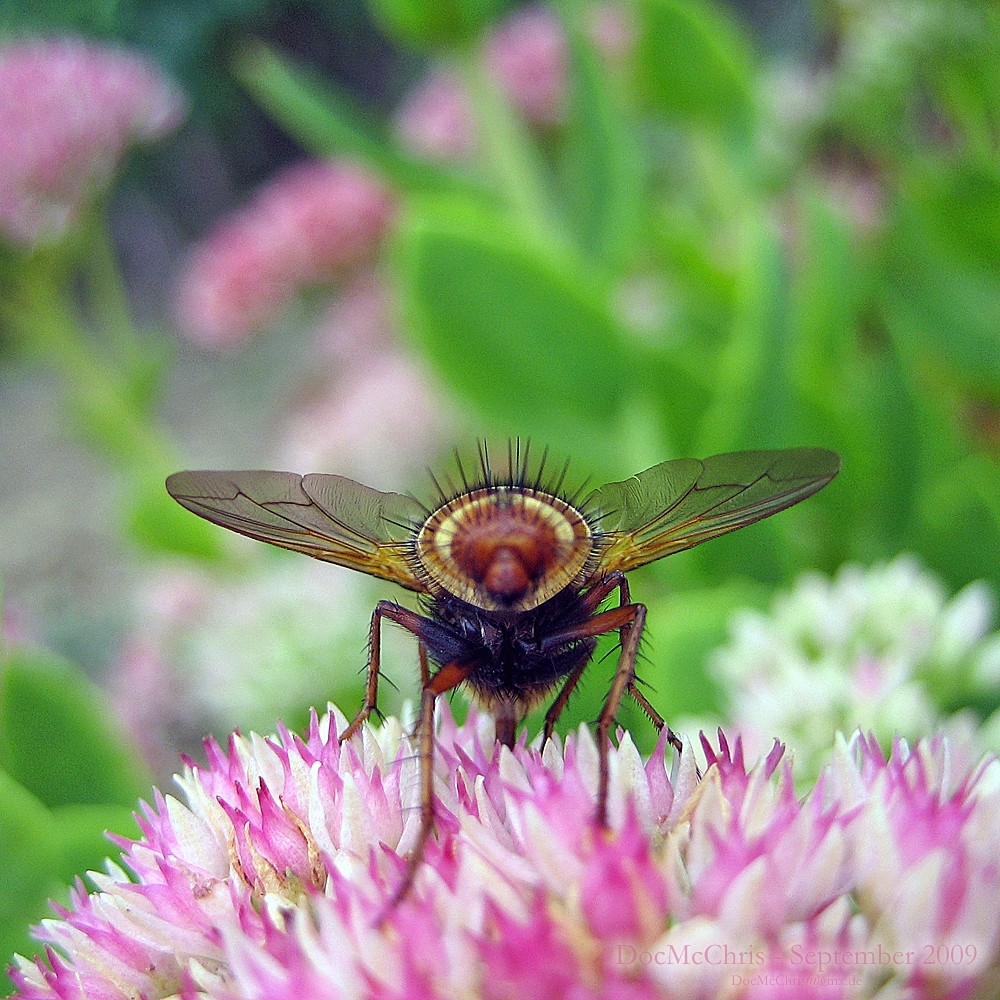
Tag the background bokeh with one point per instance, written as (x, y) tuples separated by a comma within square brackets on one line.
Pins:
[(362, 234)]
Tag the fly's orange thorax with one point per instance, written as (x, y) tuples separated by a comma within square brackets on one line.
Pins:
[(505, 547)]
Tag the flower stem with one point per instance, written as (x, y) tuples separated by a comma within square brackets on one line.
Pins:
[(108, 297), (508, 151), (49, 322)]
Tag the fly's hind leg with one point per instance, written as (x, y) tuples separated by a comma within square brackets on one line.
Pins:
[(620, 581), (591, 601), (448, 677), (640, 699), (624, 680), (628, 619)]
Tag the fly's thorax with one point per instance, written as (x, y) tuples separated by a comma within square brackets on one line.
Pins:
[(505, 547)]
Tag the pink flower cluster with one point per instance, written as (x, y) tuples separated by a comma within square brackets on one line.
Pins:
[(312, 223), (527, 56), (266, 881), (69, 109)]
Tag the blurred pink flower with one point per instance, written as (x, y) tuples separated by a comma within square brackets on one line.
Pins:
[(311, 224), (373, 412), (435, 120), (69, 109), (357, 325), (17, 628), (613, 31), (527, 54), (381, 424), (267, 879)]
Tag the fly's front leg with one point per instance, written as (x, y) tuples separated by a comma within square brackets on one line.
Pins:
[(409, 620)]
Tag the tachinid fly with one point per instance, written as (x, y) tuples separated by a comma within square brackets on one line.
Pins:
[(513, 570)]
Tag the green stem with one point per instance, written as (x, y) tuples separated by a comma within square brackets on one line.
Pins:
[(509, 153), (108, 297), (48, 321)]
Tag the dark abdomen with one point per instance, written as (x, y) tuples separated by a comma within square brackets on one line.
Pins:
[(510, 665)]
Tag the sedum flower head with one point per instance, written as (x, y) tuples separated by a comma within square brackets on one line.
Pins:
[(435, 120), (69, 110), (527, 55), (266, 877), (870, 648), (313, 223)]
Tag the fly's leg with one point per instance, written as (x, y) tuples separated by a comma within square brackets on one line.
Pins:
[(557, 706), (632, 688), (448, 677), (601, 590), (629, 619), (640, 699), (409, 620), (634, 616), (591, 602)]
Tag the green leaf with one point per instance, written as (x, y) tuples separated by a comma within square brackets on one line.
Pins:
[(58, 16), (752, 405), (602, 164), (81, 841), (695, 65), (958, 205), (962, 67), (516, 328), (58, 738), (687, 629), (157, 523), (826, 298), (27, 845), (42, 851), (28, 856), (328, 123), (942, 267), (682, 631), (432, 23)]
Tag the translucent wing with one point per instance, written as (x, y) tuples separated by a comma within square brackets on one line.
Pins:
[(679, 504), (326, 517)]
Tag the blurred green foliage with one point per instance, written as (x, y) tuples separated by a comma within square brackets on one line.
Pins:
[(825, 276), (67, 777), (711, 253)]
